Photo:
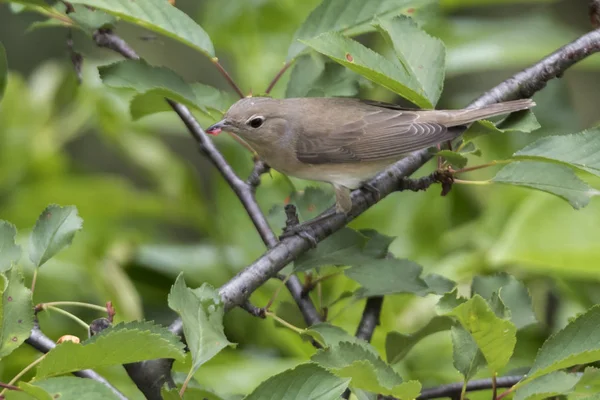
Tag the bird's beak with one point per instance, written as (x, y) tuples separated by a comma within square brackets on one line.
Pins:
[(215, 129)]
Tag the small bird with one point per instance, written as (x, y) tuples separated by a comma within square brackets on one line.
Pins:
[(344, 141)]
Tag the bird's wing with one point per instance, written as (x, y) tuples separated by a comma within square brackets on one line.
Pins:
[(373, 136)]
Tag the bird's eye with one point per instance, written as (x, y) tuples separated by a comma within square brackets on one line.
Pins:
[(256, 122)]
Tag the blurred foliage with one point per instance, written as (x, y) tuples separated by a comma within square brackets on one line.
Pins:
[(153, 207)]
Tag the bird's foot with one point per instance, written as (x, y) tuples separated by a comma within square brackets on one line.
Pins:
[(373, 190), (301, 231), (304, 230)]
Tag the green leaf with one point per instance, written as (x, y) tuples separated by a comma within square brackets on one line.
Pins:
[(305, 382), (350, 17), (558, 180), (512, 293), (10, 252), (495, 337), (438, 284), (580, 150), (201, 311), (589, 383), (421, 55), (397, 345), (467, 358), (89, 20), (3, 71), (313, 77), (456, 159), (153, 84), (577, 343), (120, 344), (211, 101), (367, 370), (341, 248), (378, 244), (53, 231), (449, 302), (520, 121), (16, 313), (371, 65), (387, 276), (68, 388), (158, 16), (330, 335), (553, 384)]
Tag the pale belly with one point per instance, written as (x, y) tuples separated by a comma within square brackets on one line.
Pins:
[(351, 176)]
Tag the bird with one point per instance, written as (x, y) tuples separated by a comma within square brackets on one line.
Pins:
[(344, 141)]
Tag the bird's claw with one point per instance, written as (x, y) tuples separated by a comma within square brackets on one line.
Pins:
[(373, 190), (300, 231)]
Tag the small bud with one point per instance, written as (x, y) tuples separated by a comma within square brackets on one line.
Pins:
[(68, 338)]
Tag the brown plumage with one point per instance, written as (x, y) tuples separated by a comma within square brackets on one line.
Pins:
[(344, 141)]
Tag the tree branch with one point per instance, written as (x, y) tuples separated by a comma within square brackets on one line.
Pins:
[(43, 343), (370, 318), (454, 389), (239, 288)]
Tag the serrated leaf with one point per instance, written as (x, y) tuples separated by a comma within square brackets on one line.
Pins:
[(3, 71), (577, 343), (10, 252), (371, 65), (158, 16), (367, 370), (579, 150), (456, 159), (153, 84), (558, 180), (437, 284), (68, 388), (313, 77), (589, 383), (449, 301), (305, 382), (423, 56), (397, 345), (211, 101), (16, 312), (341, 248), (330, 335), (53, 231), (387, 276), (495, 337), (520, 121), (351, 17), (120, 344), (89, 20), (201, 311), (467, 358), (553, 384), (512, 293)]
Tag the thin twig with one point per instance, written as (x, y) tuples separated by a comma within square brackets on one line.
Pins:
[(278, 76), (228, 77)]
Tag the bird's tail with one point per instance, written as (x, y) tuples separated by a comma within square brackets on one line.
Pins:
[(466, 116)]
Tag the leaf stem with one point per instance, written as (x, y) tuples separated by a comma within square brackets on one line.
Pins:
[(33, 280), (278, 76), (68, 314), (507, 392), (188, 378), (284, 322), (494, 386), (481, 166), (20, 374), (228, 77), (74, 303), (482, 183), (276, 293)]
